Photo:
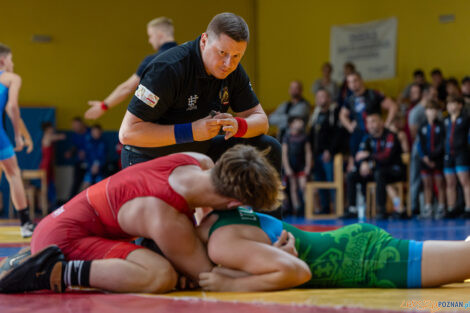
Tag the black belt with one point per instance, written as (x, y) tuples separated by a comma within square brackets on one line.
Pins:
[(135, 150)]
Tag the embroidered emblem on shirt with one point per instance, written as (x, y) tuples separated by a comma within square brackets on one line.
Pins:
[(224, 96), (146, 96), (192, 103)]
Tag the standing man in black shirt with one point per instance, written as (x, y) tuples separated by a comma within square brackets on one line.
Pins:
[(161, 37), (356, 108), (171, 109)]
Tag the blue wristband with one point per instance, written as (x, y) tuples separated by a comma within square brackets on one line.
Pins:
[(184, 133)]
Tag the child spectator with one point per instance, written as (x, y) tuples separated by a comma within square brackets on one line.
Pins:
[(48, 159), (457, 155), (297, 161), (431, 138), (96, 156), (465, 88), (452, 87), (398, 127)]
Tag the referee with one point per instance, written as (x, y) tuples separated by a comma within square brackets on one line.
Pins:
[(161, 37), (171, 109)]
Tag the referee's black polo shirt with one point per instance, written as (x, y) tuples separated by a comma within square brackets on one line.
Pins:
[(176, 89)]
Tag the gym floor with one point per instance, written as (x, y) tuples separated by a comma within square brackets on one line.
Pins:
[(450, 298)]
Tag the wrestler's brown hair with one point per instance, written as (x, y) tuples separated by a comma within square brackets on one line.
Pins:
[(231, 25), (245, 174)]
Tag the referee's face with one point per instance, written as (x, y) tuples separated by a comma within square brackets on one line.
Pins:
[(221, 55)]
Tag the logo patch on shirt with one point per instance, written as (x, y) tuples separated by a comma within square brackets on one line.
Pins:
[(146, 96), (224, 96), (192, 103)]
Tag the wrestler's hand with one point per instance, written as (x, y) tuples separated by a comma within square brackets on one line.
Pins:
[(95, 111), (286, 242), (229, 272), (19, 143), (205, 129), (229, 124), (214, 281)]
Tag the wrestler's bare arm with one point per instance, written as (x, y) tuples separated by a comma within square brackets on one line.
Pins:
[(171, 230), (270, 267)]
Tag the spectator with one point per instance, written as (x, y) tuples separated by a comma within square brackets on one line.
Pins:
[(439, 83), (362, 102), (326, 82), (324, 139), (379, 160), (344, 91), (452, 87), (96, 156), (76, 152), (419, 80), (405, 108), (398, 127), (297, 161), (296, 106), (430, 145), (48, 159), (406, 105), (466, 92), (457, 155), (416, 118)]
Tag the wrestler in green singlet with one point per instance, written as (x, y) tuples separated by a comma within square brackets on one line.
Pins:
[(357, 255)]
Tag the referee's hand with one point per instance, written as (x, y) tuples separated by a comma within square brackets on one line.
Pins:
[(205, 129), (229, 124)]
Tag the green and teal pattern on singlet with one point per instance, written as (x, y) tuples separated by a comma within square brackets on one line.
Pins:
[(354, 256)]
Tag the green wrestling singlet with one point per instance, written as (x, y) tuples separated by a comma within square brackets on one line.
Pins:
[(355, 256)]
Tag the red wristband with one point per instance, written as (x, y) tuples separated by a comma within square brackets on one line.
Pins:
[(104, 106), (242, 127)]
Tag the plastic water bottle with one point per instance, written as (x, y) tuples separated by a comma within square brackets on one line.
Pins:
[(361, 207)]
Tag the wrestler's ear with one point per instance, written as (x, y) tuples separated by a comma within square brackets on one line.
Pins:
[(233, 204)]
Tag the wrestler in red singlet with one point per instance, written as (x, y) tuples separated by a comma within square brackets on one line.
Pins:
[(86, 227)]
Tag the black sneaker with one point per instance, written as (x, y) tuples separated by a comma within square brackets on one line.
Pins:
[(14, 260), (466, 215), (42, 270), (453, 213), (399, 216)]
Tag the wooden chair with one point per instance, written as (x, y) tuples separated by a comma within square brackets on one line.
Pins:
[(371, 191), (30, 192), (337, 184)]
